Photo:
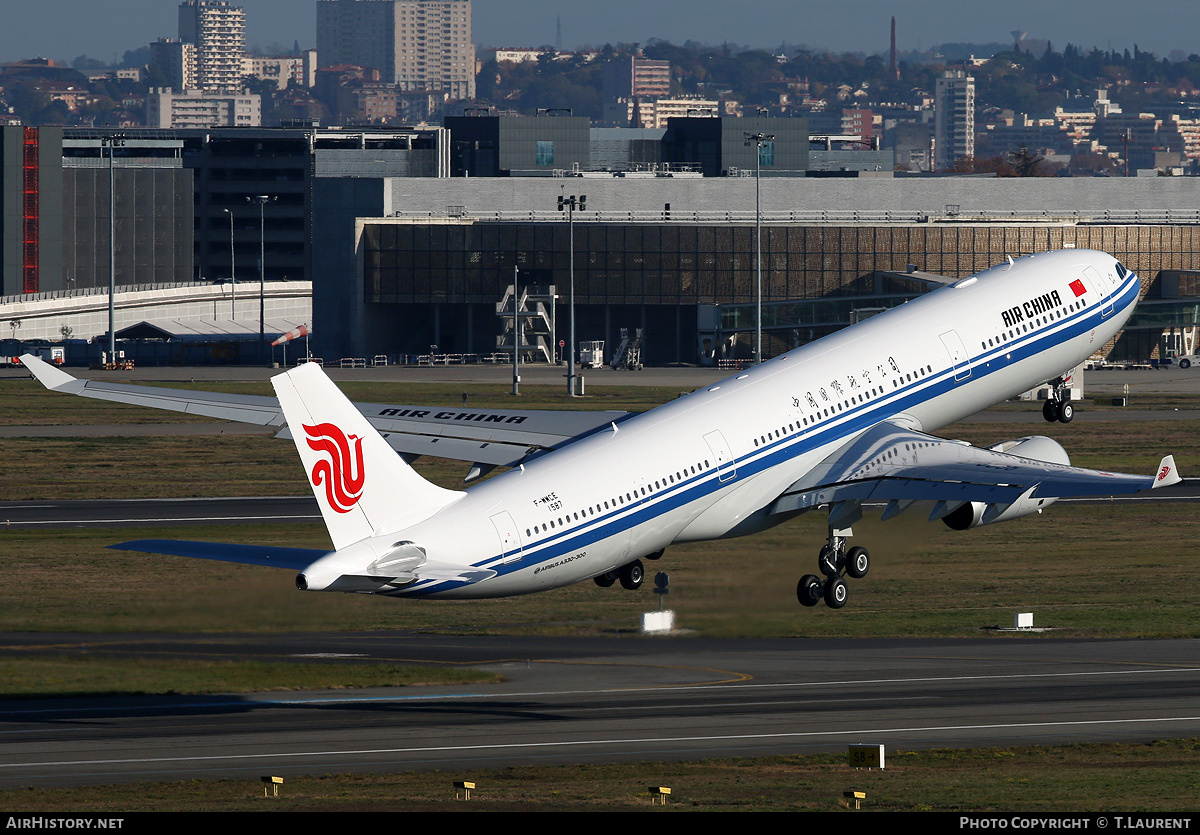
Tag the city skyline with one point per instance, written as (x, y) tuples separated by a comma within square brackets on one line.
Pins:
[(64, 29)]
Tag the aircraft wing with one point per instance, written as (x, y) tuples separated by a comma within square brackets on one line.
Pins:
[(488, 437), (889, 463)]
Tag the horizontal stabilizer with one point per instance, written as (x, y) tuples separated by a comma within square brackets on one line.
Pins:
[(296, 559), (446, 571), (440, 572)]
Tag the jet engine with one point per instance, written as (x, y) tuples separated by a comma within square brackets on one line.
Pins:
[(975, 514)]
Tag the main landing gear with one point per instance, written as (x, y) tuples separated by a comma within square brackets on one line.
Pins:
[(834, 561), (1058, 405), (631, 576)]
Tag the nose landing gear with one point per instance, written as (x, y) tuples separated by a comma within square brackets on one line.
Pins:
[(1058, 405)]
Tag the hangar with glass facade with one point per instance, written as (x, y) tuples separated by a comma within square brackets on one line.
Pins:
[(438, 283), (411, 277)]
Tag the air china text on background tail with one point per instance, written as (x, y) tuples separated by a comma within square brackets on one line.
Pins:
[(828, 426)]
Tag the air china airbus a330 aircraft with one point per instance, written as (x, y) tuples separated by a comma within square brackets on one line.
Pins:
[(829, 426)]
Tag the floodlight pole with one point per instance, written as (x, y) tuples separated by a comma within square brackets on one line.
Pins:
[(516, 334), (113, 141), (758, 139), (569, 205), (262, 200), (232, 270)]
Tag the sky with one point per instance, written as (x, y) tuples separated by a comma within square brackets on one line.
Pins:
[(106, 28)]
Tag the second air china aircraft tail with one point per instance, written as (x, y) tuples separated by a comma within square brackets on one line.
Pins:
[(831, 425)]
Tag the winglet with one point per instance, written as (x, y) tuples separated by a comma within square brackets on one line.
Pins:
[(52, 378), (1167, 474)]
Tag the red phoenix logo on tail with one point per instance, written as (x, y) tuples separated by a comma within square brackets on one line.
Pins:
[(342, 474)]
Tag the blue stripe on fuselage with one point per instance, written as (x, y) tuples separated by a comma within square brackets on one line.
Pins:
[(837, 427)]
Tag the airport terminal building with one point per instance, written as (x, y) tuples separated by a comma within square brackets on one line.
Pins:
[(676, 256)]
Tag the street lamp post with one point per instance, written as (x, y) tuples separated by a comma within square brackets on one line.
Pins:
[(262, 200), (114, 141), (516, 330), (570, 205), (232, 270), (758, 140)]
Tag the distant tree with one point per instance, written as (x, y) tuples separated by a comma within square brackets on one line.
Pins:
[(100, 111), (155, 76), (136, 57), (1025, 163), (55, 113), (487, 80), (83, 62), (988, 165), (1092, 165), (264, 87), (27, 101)]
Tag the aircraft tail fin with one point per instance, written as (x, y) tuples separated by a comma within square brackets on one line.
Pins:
[(362, 485), (1167, 473)]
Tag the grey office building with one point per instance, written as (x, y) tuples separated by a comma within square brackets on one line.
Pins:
[(56, 212), (31, 213), (501, 146), (720, 146)]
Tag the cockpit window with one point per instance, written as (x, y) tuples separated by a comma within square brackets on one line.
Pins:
[(1121, 271)]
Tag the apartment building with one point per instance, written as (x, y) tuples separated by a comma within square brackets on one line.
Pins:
[(416, 44)]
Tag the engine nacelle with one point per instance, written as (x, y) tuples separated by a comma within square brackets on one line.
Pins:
[(975, 514), (1037, 447)]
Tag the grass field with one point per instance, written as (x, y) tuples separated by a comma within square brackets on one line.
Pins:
[(1104, 571), (1085, 571), (1159, 777)]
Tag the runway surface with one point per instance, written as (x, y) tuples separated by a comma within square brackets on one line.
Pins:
[(603, 700)]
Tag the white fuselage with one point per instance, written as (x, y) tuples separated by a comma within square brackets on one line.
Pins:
[(709, 464)]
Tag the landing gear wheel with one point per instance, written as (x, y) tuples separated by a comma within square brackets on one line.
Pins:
[(858, 563), (836, 592), (1066, 412), (808, 590), (1050, 411), (632, 575), (831, 560), (606, 579)]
